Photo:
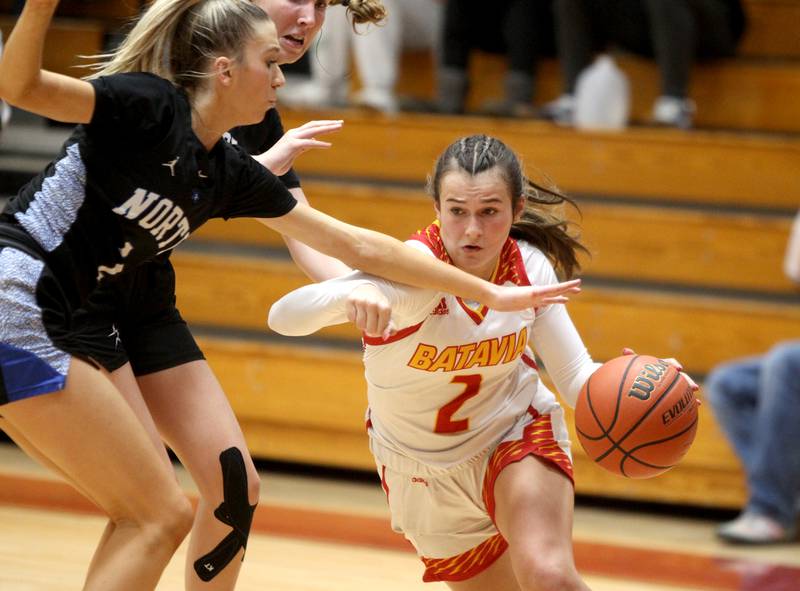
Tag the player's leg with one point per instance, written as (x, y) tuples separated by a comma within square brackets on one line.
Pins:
[(774, 481), (194, 416), (533, 511), (124, 380), (32, 452), (91, 435), (732, 389)]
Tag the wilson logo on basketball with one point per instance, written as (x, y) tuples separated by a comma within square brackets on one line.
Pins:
[(646, 381)]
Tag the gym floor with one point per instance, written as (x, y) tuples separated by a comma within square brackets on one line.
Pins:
[(329, 532)]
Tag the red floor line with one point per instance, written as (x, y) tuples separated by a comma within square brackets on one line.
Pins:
[(639, 564)]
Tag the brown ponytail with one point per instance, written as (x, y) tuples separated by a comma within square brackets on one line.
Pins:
[(363, 11)]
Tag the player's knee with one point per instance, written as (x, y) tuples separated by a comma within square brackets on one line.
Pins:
[(543, 574), (174, 521), (240, 485), (784, 357), (160, 526), (719, 385), (253, 485)]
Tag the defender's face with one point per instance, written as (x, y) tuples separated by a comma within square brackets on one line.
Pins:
[(297, 22), (257, 77), (475, 213)]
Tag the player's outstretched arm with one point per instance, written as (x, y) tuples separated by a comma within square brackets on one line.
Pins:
[(279, 159), (315, 265), (374, 305), (387, 257), (24, 84)]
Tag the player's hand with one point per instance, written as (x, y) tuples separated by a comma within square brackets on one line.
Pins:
[(676, 364), (280, 157), (509, 299), (370, 311)]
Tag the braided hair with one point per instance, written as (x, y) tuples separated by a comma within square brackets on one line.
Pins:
[(542, 223)]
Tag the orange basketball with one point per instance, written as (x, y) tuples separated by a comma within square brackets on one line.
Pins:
[(636, 416)]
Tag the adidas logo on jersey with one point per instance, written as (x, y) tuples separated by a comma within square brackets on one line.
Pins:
[(441, 309)]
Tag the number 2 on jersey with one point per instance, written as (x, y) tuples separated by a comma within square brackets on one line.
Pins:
[(444, 418)]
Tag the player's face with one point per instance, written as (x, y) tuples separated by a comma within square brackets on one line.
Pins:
[(476, 213), (298, 22), (257, 77)]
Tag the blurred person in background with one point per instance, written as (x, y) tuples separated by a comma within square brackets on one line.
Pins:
[(757, 403), (377, 52), (674, 33), (520, 29)]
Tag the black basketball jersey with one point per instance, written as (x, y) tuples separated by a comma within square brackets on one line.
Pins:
[(134, 183)]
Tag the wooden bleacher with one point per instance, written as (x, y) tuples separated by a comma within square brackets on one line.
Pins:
[(665, 165)]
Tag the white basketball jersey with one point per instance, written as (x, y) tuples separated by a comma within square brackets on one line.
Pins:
[(456, 376), (453, 383)]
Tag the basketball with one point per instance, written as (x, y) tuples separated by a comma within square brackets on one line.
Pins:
[(636, 416)]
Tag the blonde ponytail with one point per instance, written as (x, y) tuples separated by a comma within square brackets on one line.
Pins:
[(177, 39), (147, 46)]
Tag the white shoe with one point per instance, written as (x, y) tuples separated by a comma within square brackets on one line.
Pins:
[(312, 95), (5, 114), (674, 111), (752, 528), (560, 111), (377, 99)]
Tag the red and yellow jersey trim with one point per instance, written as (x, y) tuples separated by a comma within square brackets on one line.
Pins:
[(510, 266), (538, 440), (466, 565)]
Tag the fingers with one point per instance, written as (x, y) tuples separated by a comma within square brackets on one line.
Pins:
[(378, 318), (371, 315), (573, 286), (692, 384), (306, 145), (557, 293), (390, 331), (312, 128), (673, 362), (679, 366)]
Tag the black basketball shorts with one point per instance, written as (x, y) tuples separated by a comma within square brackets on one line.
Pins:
[(136, 320)]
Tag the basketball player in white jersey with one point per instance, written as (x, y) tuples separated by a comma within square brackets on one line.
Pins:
[(472, 450)]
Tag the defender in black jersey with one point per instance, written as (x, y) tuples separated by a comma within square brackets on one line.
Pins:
[(145, 168), (134, 328)]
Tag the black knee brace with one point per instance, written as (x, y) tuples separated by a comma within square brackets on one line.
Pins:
[(235, 510)]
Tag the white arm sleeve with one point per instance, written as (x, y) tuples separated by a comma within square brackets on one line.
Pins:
[(565, 357), (555, 338), (310, 308)]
